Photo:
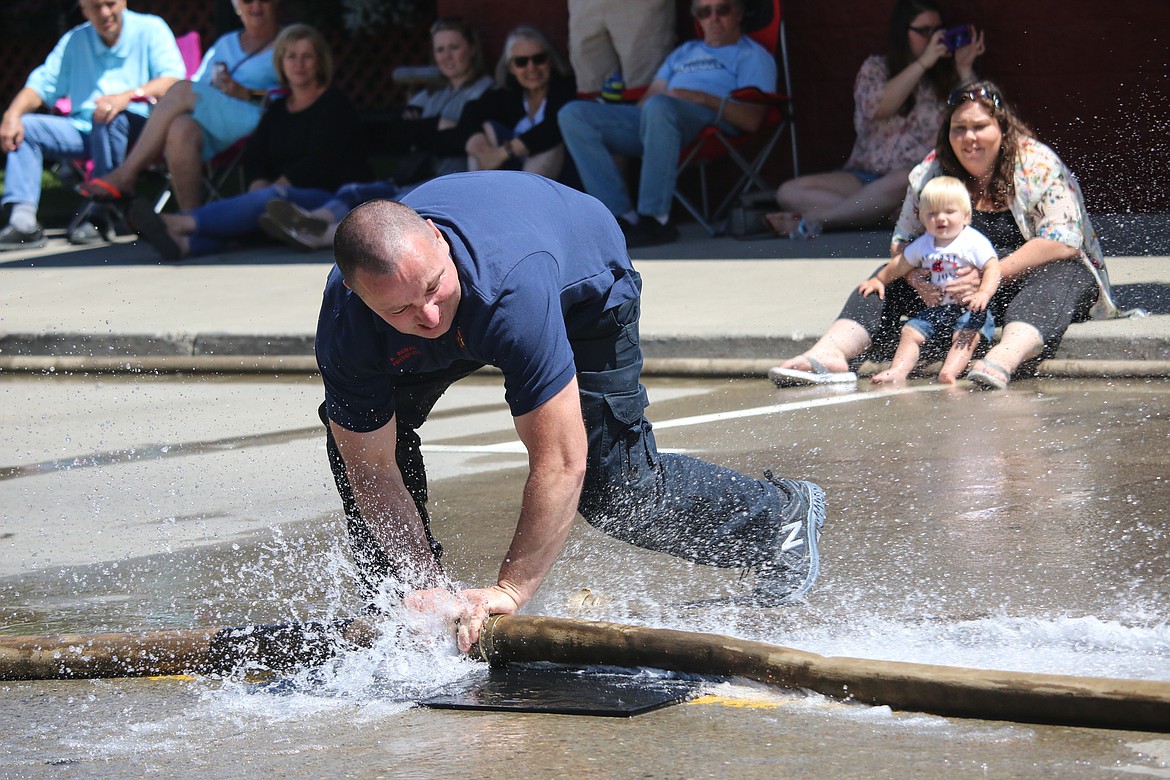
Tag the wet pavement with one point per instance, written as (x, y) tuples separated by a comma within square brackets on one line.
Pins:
[(1024, 530)]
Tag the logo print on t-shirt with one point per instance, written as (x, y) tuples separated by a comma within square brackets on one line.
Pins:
[(404, 354)]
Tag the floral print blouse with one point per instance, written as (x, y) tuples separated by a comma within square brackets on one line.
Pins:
[(1047, 204), (896, 142)]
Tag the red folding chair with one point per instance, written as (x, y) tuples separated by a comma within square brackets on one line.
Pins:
[(763, 23)]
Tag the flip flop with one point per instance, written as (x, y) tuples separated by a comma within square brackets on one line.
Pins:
[(989, 381), (794, 377), (100, 190), (153, 230)]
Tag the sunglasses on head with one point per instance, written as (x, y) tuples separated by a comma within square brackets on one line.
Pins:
[(963, 94), (536, 59), (703, 12)]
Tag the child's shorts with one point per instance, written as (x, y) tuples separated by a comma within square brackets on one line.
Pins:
[(951, 318)]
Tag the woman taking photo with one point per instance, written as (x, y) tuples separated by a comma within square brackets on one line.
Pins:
[(1029, 205), (197, 119), (305, 144), (898, 102)]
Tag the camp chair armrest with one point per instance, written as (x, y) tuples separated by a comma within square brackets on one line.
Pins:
[(752, 96), (757, 96)]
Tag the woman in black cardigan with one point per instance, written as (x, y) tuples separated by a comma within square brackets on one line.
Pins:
[(305, 147), (515, 126)]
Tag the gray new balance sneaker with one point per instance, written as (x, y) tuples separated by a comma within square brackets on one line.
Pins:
[(797, 559)]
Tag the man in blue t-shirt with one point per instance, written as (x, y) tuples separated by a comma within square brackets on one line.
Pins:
[(109, 69), (513, 270), (685, 96)]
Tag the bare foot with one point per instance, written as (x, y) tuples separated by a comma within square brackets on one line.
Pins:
[(834, 363), (889, 376), (782, 223), (946, 378)]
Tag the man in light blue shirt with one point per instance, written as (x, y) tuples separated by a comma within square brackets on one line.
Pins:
[(109, 69), (683, 98)]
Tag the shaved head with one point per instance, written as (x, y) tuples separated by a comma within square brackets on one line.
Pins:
[(375, 236)]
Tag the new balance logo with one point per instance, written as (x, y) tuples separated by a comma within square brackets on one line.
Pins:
[(793, 538)]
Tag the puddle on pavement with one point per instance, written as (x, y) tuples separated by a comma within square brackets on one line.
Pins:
[(1025, 531)]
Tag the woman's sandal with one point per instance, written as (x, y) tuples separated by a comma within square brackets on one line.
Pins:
[(990, 381), (100, 190), (794, 377)]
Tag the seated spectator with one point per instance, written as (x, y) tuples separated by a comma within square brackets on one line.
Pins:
[(617, 37), (515, 125), (684, 97), (427, 127), (198, 119), (948, 245), (1029, 206), (898, 103), (102, 67), (306, 144)]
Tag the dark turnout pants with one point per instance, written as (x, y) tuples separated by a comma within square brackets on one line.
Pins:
[(665, 502)]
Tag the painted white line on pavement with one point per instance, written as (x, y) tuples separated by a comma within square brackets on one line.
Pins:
[(503, 448), (516, 447), (759, 411)]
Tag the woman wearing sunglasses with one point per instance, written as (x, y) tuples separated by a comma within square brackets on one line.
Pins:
[(515, 126), (897, 108), (1029, 205), (197, 119)]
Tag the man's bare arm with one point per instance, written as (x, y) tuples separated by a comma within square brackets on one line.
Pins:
[(386, 505), (554, 434), (11, 126), (745, 117)]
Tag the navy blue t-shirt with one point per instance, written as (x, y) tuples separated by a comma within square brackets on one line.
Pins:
[(537, 262)]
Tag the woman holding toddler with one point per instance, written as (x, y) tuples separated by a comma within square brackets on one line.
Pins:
[(1028, 203)]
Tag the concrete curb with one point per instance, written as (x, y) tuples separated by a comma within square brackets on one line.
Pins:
[(307, 365), (1081, 345)]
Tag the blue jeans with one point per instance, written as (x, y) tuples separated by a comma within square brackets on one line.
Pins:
[(350, 196), (664, 502), (950, 318), (56, 138), (656, 132), (218, 223)]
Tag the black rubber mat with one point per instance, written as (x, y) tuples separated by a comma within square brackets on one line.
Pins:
[(564, 690)]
